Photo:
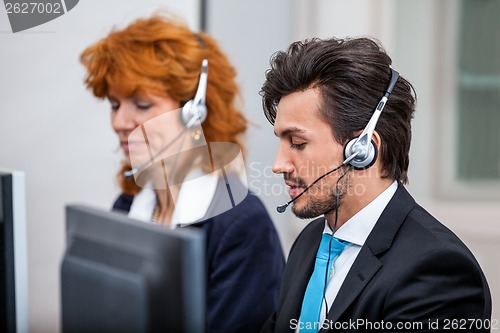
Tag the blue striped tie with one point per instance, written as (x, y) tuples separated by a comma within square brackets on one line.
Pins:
[(329, 248)]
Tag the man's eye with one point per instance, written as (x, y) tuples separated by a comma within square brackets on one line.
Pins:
[(298, 145)]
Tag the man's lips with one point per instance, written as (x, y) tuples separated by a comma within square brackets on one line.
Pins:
[(294, 189)]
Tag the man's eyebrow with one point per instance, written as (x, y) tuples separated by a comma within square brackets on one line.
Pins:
[(290, 131)]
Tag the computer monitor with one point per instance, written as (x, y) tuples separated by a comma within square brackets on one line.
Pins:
[(14, 258), (123, 275)]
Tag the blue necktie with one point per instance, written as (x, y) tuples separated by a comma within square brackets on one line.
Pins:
[(329, 248)]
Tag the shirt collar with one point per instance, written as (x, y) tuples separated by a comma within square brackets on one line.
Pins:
[(192, 203), (358, 227)]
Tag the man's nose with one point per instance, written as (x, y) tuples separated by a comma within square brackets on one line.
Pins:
[(282, 164)]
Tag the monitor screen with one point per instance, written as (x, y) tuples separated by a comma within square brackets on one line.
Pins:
[(14, 259), (122, 275)]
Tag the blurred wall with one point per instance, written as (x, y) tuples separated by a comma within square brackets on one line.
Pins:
[(427, 56), (52, 128), (249, 32)]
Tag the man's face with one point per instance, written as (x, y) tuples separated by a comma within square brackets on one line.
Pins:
[(307, 151)]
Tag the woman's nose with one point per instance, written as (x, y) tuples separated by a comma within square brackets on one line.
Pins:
[(122, 119)]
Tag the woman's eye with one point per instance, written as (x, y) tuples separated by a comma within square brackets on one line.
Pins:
[(114, 106), (144, 106)]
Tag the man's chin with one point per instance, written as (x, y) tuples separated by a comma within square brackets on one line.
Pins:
[(313, 208), (305, 212)]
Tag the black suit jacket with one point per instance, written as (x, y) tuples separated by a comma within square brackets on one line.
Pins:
[(410, 269)]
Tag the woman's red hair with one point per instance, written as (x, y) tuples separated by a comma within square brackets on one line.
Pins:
[(163, 56)]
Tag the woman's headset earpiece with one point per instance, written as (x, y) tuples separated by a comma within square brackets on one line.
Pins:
[(195, 110)]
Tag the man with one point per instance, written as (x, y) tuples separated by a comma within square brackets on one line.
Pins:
[(390, 265)]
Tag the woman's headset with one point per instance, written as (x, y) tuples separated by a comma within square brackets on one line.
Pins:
[(195, 110)]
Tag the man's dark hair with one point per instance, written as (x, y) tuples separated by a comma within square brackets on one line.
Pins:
[(352, 76)]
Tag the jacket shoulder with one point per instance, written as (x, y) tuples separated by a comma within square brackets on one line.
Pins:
[(123, 203)]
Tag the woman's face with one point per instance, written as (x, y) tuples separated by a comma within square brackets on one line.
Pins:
[(153, 137), (128, 113)]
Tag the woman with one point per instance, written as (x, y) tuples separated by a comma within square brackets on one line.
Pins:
[(173, 174)]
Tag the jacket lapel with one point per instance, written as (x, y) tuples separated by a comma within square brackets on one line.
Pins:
[(367, 263), (362, 271), (297, 275)]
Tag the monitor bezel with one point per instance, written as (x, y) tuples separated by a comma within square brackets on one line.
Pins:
[(13, 221), (116, 230)]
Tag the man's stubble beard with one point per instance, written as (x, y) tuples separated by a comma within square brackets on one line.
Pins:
[(319, 206)]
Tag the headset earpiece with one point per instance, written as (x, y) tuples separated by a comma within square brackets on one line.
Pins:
[(192, 112), (361, 152), (195, 110), (360, 161)]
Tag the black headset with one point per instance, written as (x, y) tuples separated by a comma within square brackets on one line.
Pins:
[(361, 152)]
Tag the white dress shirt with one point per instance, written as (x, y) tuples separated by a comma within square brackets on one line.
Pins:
[(195, 199), (191, 204), (355, 231)]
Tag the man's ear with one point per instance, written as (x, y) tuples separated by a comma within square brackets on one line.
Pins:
[(377, 139)]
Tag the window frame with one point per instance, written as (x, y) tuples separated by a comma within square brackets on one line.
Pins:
[(449, 186)]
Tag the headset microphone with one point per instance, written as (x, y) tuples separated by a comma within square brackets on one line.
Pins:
[(282, 208), (360, 152), (142, 167), (195, 110)]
